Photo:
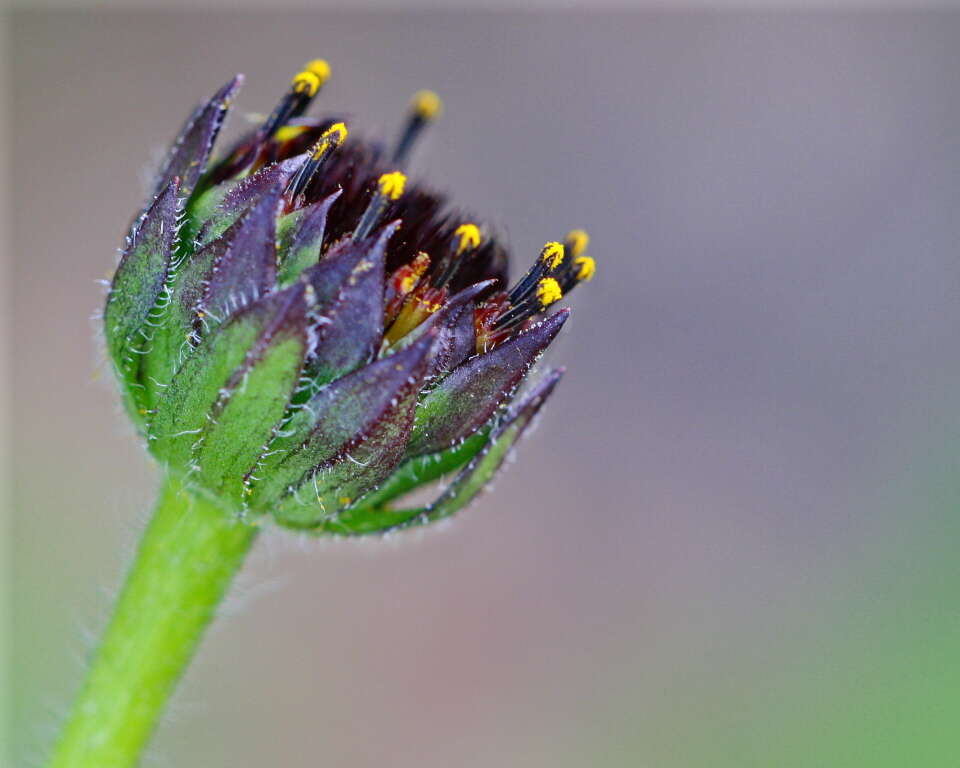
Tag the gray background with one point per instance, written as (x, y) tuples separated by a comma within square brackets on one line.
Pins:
[(730, 540)]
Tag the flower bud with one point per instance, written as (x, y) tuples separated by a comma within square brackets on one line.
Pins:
[(303, 332)]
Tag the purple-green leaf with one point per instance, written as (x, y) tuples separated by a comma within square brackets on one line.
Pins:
[(190, 152), (207, 287), (467, 484), (218, 207), (350, 304), (346, 438), (468, 397), (247, 268), (300, 238), (248, 368), (139, 282)]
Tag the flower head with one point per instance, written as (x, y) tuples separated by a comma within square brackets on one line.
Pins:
[(303, 332)]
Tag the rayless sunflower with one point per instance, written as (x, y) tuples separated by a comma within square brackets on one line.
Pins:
[(300, 333)]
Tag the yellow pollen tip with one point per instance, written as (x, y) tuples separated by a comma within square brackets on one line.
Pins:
[(585, 268), (548, 291), (469, 237), (426, 105), (414, 272), (419, 266), (391, 184), (320, 68), (306, 82), (288, 132), (337, 133), (552, 255), (578, 240)]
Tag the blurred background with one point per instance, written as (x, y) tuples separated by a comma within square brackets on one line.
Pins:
[(732, 540)]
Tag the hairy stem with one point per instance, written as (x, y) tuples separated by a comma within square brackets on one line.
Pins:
[(188, 555)]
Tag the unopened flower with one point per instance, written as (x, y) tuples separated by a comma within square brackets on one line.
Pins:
[(302, 332)]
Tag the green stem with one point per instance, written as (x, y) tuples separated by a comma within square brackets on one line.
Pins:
[(188, 555)]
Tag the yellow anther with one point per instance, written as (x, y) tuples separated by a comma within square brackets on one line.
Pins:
[(428, 306), (412, 273), (548, 291), (306, 82), (552, 255), (391, 184), (344, 500), (320, 68), (288, 132), (469, 237), (578, 239), (426, 105), (336, 133), (585, 268), (331, 138)]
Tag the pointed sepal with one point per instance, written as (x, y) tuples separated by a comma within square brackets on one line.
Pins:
[(345, 440), (187, 158), (139, 282), (247, 268), (466, 485), (206, 289), (421, 470), (350, 304), (300, 238), (212, 213), (464, 400), (222, 406)]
